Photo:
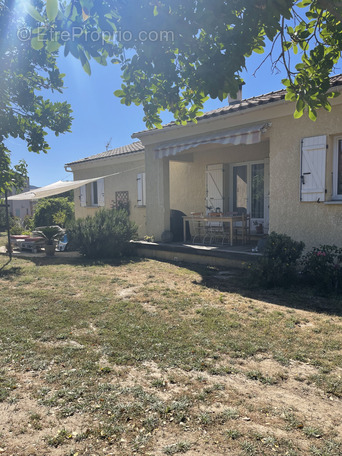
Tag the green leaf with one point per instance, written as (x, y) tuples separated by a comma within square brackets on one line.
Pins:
[(286, 82), (312, 114), (86, 67), (259, 50), (52, 46), (155, 11), (334, 94), (290, 96), (37, 44), (300, 105), (51, 9), (85, 62), (298, 114), (31, 10)]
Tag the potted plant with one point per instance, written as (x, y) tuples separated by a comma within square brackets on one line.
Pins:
[(259, 227), (51, 234)]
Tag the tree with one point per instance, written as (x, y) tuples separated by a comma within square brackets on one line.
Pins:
[(25, 74), (53, 211), (174, 54)]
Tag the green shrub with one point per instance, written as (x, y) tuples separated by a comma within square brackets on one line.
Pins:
[(278, 265), (105, 235), (28, 223), (322, 267), (53, 211), (16, 227)]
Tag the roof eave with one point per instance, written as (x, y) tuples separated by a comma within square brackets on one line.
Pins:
[(112, 157), (238, 112)]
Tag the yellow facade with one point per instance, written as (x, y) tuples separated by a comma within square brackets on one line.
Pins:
[(311, 222), (127, 167), (178, 182)]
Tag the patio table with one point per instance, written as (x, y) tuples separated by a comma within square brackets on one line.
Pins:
[(231, 219)]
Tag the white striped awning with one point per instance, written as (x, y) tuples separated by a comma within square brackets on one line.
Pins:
[(244, 135)]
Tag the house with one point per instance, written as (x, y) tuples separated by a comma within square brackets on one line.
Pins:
[(124, 189), (251, 156), (22, 208)]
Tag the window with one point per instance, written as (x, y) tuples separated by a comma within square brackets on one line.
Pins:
[(141, 181), (337, 171), (94, 194)]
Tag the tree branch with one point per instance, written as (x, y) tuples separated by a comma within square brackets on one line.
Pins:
[(334, 8)]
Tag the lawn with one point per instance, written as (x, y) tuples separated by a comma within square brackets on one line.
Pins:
[(3, 239), (151, 358)]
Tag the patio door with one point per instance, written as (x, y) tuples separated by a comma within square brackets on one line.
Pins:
[(249, 191), (214, 188)]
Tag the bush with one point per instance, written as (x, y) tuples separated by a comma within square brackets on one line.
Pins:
[(53, 211), (28, 223), (105, 235), (16, 227), (323, 267), (278, 265)]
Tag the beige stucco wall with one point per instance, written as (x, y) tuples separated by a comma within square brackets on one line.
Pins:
[(314, 223), (128, 167), (187, 180), (181, 185)]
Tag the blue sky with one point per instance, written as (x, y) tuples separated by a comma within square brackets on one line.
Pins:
[(99, 116)]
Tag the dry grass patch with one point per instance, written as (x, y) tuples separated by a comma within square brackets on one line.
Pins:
[(150, 358)]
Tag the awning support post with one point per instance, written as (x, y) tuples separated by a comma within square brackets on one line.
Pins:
[(8, 227)]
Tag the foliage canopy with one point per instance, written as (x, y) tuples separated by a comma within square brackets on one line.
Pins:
[(174, 54), (25, 74), (53, 211)]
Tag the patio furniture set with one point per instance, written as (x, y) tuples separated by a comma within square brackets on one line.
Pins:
[(218, 228)]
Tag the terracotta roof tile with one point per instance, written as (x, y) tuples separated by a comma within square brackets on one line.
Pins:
[(267, 98), (123, 150), (239, 106)]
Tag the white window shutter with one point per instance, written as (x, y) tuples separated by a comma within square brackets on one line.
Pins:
[(100, 192), (214, 187), (140, 190), (83, 196), (313, 164), (144, 188), (141, 182)]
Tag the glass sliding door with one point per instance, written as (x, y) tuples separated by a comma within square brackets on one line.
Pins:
[(249, 191), (240, 189), (339, 168), (257, 191)]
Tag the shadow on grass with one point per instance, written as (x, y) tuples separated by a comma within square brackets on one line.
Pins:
[(60, 259), (299, 297), (9, 272)]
